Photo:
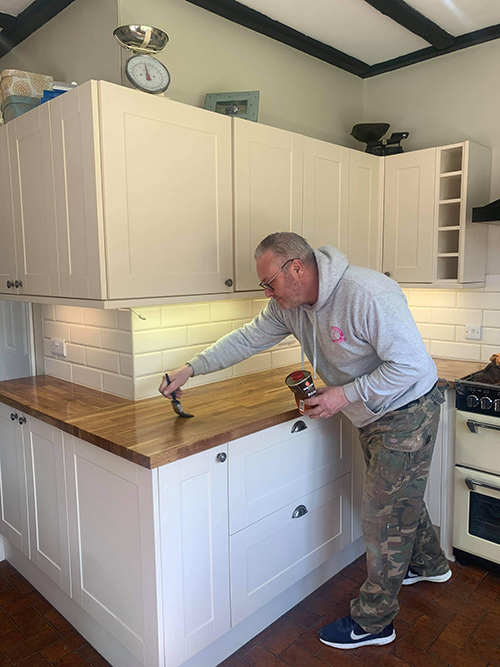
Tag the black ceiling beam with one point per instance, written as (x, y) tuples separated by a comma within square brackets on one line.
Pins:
[(250, 18), (461, 42), (32, 18), (7, 21), (414, 21)]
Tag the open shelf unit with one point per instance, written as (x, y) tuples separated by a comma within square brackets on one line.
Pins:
[(450, 193)]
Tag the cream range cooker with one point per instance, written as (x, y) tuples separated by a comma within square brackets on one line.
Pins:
[(476, 516)]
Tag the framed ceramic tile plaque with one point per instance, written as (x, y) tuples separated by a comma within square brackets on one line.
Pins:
[(240, 105)]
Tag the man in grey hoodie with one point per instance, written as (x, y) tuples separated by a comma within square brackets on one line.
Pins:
[(355, 327)]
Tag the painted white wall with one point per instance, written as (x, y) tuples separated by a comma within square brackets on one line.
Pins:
[(445, 100)]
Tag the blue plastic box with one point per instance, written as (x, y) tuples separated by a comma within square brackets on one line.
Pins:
[(50, 94)]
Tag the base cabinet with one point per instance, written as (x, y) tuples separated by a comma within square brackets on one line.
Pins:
[(165, 563)]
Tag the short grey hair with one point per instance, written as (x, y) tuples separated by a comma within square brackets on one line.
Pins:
[(286, 245)]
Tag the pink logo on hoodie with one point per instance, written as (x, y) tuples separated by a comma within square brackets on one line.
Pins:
[(337, 335)]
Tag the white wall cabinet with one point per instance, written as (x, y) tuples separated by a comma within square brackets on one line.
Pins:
[(8, 264), (429, 237)]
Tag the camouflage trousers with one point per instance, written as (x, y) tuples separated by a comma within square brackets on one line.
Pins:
[(396, 526)]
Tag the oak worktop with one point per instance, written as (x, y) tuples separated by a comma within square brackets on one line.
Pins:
[(149, 433)]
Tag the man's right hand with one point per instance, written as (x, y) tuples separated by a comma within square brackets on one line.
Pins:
[(177, 379)]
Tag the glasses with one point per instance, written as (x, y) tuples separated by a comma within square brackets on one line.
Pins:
[(268, 284)]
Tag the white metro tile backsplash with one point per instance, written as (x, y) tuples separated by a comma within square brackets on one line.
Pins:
[(125, 352), (441, 316), (182, 331), (98, 347)]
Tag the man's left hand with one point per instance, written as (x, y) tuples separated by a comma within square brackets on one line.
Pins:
[(329, 401)]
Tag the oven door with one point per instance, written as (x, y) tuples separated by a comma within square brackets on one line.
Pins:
[(477, 443), (476, 516)]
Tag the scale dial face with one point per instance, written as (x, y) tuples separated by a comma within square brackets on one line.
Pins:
[(147, 74)]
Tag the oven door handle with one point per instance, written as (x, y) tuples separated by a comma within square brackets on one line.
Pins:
[(473, 426), (472, 483)]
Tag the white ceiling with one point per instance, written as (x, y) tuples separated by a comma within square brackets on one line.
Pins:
[(14, 7), (358, 29)]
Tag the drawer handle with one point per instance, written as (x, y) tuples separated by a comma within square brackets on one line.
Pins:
[(14, 416), (473, 426), (221, 457), (299, 426), (299, 511)]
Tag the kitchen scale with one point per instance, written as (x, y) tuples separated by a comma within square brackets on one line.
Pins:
[(143, 70)]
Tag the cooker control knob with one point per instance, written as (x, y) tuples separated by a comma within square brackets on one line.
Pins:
[(496, 405), (486, 403), (472, 401)]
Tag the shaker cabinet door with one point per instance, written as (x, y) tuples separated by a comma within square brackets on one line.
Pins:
[(13, 509), (268, 181), (33, 197), (78, 190), (48, 520), (8, 265), (410, 183), (167, 190), (326, 194)]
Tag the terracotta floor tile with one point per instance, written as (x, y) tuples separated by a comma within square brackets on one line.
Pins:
[(253, 642), (485, 602), (4, 662), (309, 640), (354, 573), (100, 662), (259, 657), (461, 586), (472, 610), (453, 655), (374, 655), (58, 622), (458, 631), (339, 587), (68, 644), (422, 634), (484, 588), (10, 639), (30, 621), (6, 569), (20, 583), (277, 641), (36, 660), (32, 645), (296, 656), (414, 656), (21, 602), (8, 594), (4, 583), (488, 630), (408, 615), (339, 658), (483, 651), (88, 652), (71, 660), (470, 571), (303, 616), (6, 624)]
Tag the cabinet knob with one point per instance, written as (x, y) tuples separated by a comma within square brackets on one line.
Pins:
[(9, 284), (14, 416), (299, 426), (299, 511), (18, 283), (22, 420), (387, 273), (228, 282), (221, 457)]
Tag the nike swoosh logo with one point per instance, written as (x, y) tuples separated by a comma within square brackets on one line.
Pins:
[(354, 636), (411, 575)]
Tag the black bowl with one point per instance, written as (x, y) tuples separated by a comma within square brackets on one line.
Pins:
[(368, 132)]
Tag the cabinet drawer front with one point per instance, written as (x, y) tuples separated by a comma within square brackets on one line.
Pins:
[(271, 468), (274, 553)]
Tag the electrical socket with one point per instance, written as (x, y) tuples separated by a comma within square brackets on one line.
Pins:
[(472, 332), (58, 347)]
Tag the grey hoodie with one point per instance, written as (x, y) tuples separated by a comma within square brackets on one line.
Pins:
[(359, 334)]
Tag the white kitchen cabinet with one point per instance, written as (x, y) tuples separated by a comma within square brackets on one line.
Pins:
[(8, 264), (429, 237), (13, 505), (363, 240), (268, 177), (166, 174), (31, 171), (410, 183), (194, 552), (113, 568), (45, 481), (326, 194)]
